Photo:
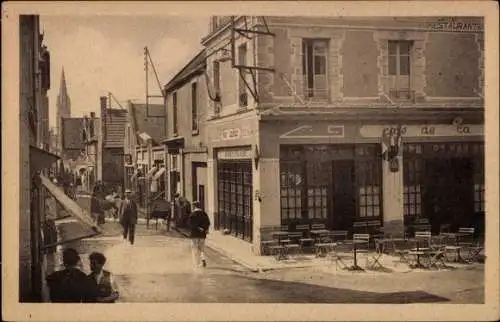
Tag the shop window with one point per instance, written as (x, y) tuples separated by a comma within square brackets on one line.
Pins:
[(317, 175), (314, 67), (412, 172), (292, 181), (194, 107), (479, 186), (235, 198), (369, 190), (399, 69)]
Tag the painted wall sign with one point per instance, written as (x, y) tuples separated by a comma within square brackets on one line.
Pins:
[(372, 131), (234, 154), (235, 133), (315, 131)]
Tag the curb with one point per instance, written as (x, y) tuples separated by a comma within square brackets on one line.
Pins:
[(225, 253)]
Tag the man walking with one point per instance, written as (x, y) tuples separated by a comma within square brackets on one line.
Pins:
[(128, 217), (199, 224)]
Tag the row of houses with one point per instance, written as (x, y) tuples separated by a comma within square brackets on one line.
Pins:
[(341, 121)]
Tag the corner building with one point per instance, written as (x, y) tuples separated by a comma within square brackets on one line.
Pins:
[(344, 121)]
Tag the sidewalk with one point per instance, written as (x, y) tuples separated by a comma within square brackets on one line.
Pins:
[(241, 252)]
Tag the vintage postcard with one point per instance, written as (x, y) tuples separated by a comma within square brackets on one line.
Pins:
[(250, 161)]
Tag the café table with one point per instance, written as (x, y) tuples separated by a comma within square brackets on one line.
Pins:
[(282, 238), (355, 266), (418, 251), (317, 234)]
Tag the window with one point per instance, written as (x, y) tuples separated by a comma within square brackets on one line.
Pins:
[(174, 114), (242, 61), (399, 68), (217, 94), (292, 182), (479, 185), (314, 67), (412, 202), (194, 107), (368, 177)]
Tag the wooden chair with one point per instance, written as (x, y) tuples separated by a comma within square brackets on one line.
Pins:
[(318, 226), (265, 246), (470, 247), (341, 252), (359, 227), (323, 245), (306, 240), (293, 246), (338, 235), (424, 237), (362, 243)]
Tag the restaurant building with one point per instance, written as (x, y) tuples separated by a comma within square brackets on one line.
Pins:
[(344, 121)]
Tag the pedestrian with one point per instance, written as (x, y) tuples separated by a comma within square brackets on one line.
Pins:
[(182, 210), (198, 223), (128, 217), (71, 285), (107, 289)]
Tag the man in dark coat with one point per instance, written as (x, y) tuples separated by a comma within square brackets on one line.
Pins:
[(198, 223), (128, 216), (71, 285)]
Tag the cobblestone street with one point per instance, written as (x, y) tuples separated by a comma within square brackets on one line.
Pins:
[(158, 268)]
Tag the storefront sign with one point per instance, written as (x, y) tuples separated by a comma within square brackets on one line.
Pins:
[(235, 133), (315, 131), (234, 154), (372, 131)]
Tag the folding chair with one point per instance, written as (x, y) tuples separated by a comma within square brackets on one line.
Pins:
[(265, 246), (338, 235), (318, 226), (362, 245), (306, 239), (324, 245), (469, 245), (342, 251), (401, 250), (437, 259), (359, 227), (293, 246)]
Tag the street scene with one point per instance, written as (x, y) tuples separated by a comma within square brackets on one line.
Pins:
[(252, 159)]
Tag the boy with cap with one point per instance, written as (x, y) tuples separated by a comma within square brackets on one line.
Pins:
[(199, 224)]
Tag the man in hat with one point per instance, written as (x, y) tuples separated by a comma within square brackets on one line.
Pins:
[(71, 285), (128, 216)]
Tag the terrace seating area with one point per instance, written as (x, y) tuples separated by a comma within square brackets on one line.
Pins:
[(367, 248)]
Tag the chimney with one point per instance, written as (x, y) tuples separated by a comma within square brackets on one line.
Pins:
[(104, 103)]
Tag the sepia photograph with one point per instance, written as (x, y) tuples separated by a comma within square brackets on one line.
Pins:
[(204, 158)]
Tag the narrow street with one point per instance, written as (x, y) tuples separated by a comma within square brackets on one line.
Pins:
[(157, 268)]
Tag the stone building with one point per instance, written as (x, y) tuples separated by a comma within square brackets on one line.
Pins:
[(344, 121), (34, 82), (144, 153), (186, 143)]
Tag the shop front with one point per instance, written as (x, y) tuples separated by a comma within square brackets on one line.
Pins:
[(232, 177)]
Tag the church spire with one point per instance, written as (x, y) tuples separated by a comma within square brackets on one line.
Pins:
[(64, 103)]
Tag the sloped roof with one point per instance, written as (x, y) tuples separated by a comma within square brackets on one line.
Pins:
[(150, 120), (194, 65), (72, 133), (115, 128)]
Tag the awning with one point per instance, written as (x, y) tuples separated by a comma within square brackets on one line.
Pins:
[(41, 159), (174, 143), (159, 173), (151, 171), (69, 204)]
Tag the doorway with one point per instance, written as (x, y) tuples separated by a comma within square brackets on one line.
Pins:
[(448, 193), (343, 195)]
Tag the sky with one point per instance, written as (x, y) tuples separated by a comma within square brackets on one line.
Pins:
[(102, 54)]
